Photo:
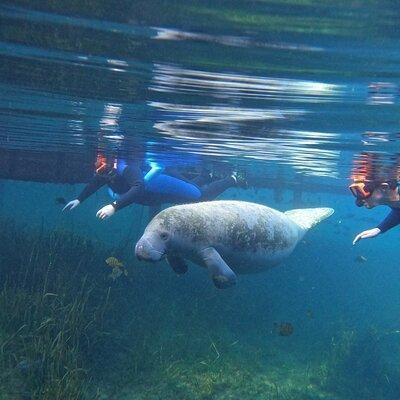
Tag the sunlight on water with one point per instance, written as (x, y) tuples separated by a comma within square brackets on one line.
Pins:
[(218, 85), (222, 111)]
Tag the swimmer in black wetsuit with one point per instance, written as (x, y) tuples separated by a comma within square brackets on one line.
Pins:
[(376, 193), (129, 185)]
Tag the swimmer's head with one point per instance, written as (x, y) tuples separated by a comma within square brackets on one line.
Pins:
[(104, 165), (370, 194)]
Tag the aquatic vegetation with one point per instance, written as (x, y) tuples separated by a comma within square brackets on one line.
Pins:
[(51, 314), (230, 378), (358, 367), (61, 316)]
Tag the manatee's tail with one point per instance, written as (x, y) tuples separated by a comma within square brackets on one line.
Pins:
[(306, 218)]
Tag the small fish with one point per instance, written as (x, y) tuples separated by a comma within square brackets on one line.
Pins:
[(118, 268), (284, 328), (113, 262), (115, 274), (310, 314), (361, 259), (60, 200)]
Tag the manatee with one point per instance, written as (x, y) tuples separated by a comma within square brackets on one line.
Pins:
[(226, 237)]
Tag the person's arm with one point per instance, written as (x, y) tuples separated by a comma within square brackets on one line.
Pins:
[(392, 220), (134, 177), (389, 222), (93, 186)]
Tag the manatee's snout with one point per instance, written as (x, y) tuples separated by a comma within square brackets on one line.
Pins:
[(145, 250)]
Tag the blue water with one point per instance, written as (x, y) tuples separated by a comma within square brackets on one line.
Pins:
[(301, 96)]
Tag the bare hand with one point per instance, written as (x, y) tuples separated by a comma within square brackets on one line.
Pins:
[(105, 212), (370, 233), (71, 205)]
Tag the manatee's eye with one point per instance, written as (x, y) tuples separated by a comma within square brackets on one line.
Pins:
[(164, 236)]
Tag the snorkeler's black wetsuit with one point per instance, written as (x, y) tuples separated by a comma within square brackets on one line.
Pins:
[(392, 220), (131, 187)]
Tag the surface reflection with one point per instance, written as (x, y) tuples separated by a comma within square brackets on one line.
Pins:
[(174, 79), (233, 85), (228, 40)]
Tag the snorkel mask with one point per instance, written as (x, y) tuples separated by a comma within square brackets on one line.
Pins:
[(103, 166), (361, 191)]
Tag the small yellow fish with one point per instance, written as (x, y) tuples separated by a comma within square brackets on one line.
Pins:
[(113, 262), (118, 268)]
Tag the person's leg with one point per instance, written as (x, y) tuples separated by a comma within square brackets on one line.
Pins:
[(201, 181), (203, 178), (214, 189), (169, 189)]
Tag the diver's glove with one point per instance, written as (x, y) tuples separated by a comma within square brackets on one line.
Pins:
[(71, 205), (106, 212), (370, 233)]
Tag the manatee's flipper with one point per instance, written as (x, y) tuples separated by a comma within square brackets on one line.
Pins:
[(222, 276), (177, 264), (306, 218)]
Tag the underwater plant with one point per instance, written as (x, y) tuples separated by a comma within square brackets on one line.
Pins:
[(357, 366), (61, 316), (52, 308)]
